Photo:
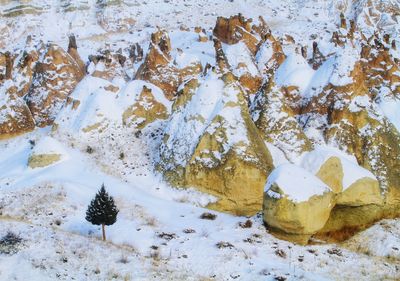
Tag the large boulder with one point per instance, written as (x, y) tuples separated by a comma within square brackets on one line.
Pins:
[(353, 185), (296, 203), (212, 144), (234, 29)]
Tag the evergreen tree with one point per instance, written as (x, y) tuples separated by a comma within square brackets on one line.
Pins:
[(102, 210)]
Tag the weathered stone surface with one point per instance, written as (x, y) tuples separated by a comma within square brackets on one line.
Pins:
[(277, 123), (15, 117), (269, 56), (42, 160), (157, 67), (363, 192), (292, 216), (331, 173), (55, 78), (234, 29), (107, 65), (221, 154), (46, 152), (145, 110)]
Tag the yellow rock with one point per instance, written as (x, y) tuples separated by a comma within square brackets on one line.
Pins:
[(363, 192), (296, 203), (43, 160), (145, 110), (229, 159), (331, 173)]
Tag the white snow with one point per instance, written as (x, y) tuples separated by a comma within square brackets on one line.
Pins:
[(240, 59), (312, 162), (49, 145), (46, 207), (294, 71), (296, 183)]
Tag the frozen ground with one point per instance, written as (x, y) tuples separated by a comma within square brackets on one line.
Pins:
[(159, 233)]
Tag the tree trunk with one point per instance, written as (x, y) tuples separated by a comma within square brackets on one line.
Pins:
[(104, 232)]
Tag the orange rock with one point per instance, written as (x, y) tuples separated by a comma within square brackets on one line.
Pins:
[(54, 80)]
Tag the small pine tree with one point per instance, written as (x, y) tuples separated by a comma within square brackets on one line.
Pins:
[(102, 210)]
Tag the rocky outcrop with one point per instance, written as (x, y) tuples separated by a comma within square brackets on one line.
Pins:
[(157, 67), (276, 122), (149, 105), (269, 56), (217, 149), (97, 105), (45, 153), (107, 65), (15, 117), (296, 203), (234, 29), (56, 75)]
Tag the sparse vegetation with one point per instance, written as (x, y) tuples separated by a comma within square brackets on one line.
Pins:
[(9, 243), (189, 230), (223, 244), (167, 236), (89, 149), (335, 251), (280, 253), (246, 224), (208, 216)]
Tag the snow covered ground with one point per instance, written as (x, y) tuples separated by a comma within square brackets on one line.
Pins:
[(159, 234)]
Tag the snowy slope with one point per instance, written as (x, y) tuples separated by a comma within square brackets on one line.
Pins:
[(159, 234)]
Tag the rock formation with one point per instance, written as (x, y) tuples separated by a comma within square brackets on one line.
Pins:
[(56, 75), (45, 153), (296, 203), (217, 149), (157, 67)]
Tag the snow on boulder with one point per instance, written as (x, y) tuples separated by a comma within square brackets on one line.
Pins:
[(243, 66), (97, 104), (354, 185), (212, 144), (46, 152), (269, 56), (294, 71), (142, 103), (296, 203), (15, 117)]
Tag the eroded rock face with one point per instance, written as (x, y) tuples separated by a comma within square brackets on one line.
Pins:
[(15, 80), (55, 78), (276, 122), (149, 106), (234, 29), (217, 149), (157, 67), (107, 65), (15, 117)]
